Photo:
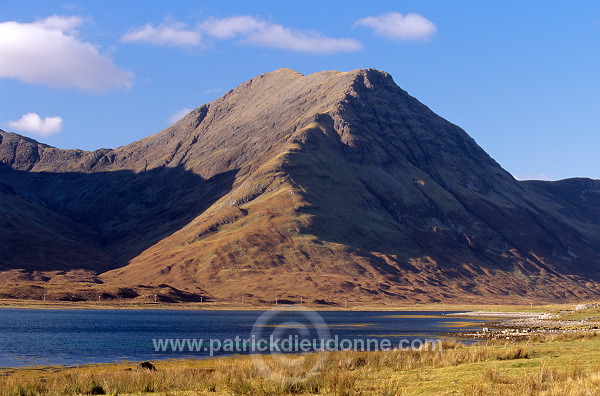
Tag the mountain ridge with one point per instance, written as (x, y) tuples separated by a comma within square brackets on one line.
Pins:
[(335, 184)]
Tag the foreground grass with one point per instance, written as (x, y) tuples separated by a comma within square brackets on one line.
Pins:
[(561, 365)]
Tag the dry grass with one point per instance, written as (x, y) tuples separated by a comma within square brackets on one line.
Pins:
[(560, 365), (351, 305)]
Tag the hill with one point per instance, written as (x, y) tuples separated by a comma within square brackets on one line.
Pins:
[(329, 186)]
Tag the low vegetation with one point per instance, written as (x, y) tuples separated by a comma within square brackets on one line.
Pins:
[(567, 364)]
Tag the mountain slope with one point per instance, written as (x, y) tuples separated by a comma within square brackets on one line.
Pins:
[(35, 238), (327, 186)]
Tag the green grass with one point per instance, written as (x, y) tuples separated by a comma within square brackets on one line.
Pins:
[(561, 365), (587, 313)]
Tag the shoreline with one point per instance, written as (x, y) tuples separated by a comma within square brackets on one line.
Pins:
[(494, 325), (584, 318), (493, 367), (350, 306)]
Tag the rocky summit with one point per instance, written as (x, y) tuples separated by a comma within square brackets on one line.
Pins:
[(333, 186)]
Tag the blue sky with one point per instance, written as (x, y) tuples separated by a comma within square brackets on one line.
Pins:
[(521, 77)]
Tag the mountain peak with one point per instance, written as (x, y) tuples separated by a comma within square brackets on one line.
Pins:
[(330, 184), (334, 79)]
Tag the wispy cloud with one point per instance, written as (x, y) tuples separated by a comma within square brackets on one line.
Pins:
[(211, 91), (170, 33), (179, 114), (49, 52), (395, 26), (34, 124), (247, 30), (536, 176), (72, 7), (231, 27), (255, 31)]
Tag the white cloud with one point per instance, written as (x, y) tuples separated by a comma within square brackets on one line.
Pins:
[(72, 7), (61, 23), (231, 27), (277, 36), (34, 124), (247, 30), (211, 91), (254, 31), (395, 26), (48, 52), (179, 114), (535, 176), (170, 33)]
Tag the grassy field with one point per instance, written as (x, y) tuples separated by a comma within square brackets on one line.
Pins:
[(567, 364)]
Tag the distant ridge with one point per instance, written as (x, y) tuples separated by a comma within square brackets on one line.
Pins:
[(331, 186)]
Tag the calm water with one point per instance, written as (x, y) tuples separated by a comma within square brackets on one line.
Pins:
[(72, 337)]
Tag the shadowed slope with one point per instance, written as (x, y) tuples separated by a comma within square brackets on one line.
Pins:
[(36, 238)]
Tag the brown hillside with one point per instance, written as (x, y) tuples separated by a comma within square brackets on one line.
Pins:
[(328, 186)]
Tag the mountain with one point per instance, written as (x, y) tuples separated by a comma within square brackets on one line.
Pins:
[(329, 186)]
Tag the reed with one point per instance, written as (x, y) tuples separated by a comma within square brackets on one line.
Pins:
[(565, 365)]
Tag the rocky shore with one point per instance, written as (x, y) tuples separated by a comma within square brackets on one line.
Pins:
[(520, 325)]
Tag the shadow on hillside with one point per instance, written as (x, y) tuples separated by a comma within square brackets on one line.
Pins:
[(128, 211), (362, 196)]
